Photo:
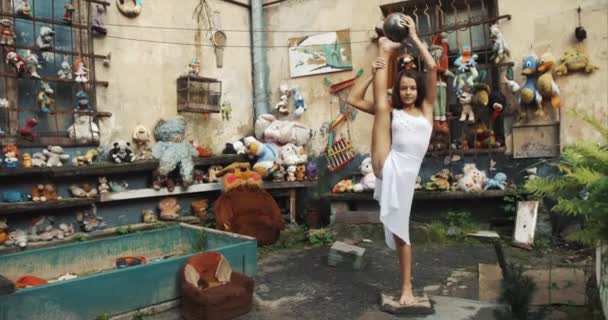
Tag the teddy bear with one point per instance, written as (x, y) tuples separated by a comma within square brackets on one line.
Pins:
[(169, 208), (121, 152), (50, 193), (84, 129), (199, 208), (368, 182), (103, 186), (465, 100), (54, 156), (282, 106), (269, 129), (266, 154), (172, 150), (86, 190), (37, 194), (290, 155), (472, 179), (38, 160), (300, 172), (142, 138)]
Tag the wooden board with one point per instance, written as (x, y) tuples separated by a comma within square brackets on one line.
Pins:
[(536, 141), (525, 224)]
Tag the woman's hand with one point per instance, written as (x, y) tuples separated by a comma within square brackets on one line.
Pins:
[(409, 23), (378, 64)]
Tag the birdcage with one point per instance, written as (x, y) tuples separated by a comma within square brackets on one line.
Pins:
[(198, 94)]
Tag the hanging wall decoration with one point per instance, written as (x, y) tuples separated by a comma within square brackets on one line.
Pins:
[(130, 8), (575, 59), (321, 53)]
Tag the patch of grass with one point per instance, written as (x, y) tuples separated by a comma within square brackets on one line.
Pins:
[(318, 237), (293, 237), (437, 232), (79, 237), (201, 244), (105, 316), (542, 246)]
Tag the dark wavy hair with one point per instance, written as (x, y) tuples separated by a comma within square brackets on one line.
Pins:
[(420, 88)]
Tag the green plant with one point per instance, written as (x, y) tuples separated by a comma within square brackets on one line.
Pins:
[(105, 316), (79, 237), (201, 241), (459, 218), (319, 237), (582, 187), (124, 230)]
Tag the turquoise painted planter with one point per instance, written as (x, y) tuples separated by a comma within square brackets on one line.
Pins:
[(100, 288)]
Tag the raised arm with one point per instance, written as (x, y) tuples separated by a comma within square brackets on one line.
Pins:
[(356, 96), (431, 69)]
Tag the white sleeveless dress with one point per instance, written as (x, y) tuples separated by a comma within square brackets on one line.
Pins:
[(395, 189)]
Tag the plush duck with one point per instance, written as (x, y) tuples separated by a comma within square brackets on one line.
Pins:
[(546, 86), (528, 94)]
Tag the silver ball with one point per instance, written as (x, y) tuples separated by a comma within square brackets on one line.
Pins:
[(393, 29)]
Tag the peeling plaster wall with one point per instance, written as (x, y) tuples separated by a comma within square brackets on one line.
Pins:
[(143, 75), (540, 24)]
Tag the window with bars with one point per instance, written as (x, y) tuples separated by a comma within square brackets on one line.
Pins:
[(72, 41), (467, 24)]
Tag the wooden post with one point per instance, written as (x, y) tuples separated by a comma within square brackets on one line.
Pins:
[(292, 205)]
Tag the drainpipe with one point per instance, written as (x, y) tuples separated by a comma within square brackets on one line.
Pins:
[(260, 67)]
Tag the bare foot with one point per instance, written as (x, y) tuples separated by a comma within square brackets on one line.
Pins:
[(407, 297), (385, 44)]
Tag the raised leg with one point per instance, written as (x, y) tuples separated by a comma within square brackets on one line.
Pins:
[(404, 251), (381, 132)]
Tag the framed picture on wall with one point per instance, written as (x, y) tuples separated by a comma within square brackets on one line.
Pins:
[(321, 53)]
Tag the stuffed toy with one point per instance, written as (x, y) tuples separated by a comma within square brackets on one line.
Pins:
[(90, 221), (266, 154), (345, 185), (4, 234), (500, 49), (278, 172), (38, 160), (299, 102), (169, 208), (239, 174), (86, 159), (212, 173), (55, 156), (467, 70), (173, 150), (528, 94), (7, 33), (269, 129), (85, 190), (547, 87), (440, 138), (11, 155), (121, 152), (368, 182), (300, 172), (575, 59), (198, 176), (439, 50), (50, 193), (290, 155), (498, 102), (142, 138), (27, 160), (103, 186), (45, 99), (37, 194), (237, 147), (32, 64), (14, 60), (440, 181), (312, 171), (498, 182), (291, 173), (481, 95), (27, 131), (148, 216), (465, 100), (198, 208), (473, 179), (45, 38), (282, 106), (84, 129)]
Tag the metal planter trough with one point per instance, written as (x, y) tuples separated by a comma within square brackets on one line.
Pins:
[(102, 289)]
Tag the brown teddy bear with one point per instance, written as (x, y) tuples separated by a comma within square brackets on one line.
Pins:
[(50, 193), (169, 208), (37, 193), (199, 209)]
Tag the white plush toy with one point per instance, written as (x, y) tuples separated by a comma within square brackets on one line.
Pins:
[(283, 105), (290, 155), (55, 156), (84, 129), (473, 179), (269, 129), (368, 182)]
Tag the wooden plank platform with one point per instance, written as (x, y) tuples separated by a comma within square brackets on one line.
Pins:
[(18, 207)]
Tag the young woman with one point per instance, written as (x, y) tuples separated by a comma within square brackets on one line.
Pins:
[(400, 137)]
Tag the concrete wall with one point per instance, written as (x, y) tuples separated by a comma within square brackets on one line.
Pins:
[(143, 75), (537, 26)]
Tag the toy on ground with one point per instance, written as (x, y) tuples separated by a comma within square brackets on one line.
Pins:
[(11, 156), (498, 182), (84, 129), (547, 87), (368, 182), (500, 49), (142, 139), (45, 99), (528, 94), (202, 298), (121, 152), (98, 26), (7, 33), (266, 154), (68, 13), (45, 39), (27, 131), (169, 208), (269, 129), (575, 59), (172, 150), (282, 106)]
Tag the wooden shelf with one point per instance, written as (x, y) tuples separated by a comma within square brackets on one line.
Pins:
[(18, 207), (196, 188), (53, 79), (421, 195), (108, 168), (465, 152)]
